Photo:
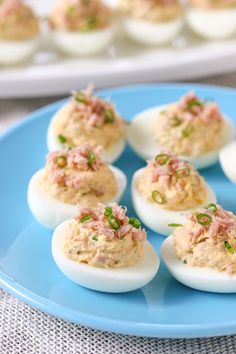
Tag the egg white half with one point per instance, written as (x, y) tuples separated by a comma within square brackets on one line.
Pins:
[(152, 34), (140, 135), (14, 52), (50, 211), (110, 280), (156, 218), (228, 161), (83, 43), (110, 155), (212, 24), (203, 279)]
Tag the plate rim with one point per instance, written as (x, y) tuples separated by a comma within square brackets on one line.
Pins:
[(118, 326)]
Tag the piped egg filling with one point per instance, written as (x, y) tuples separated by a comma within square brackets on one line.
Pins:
[(171, 183), (105, 237), (81, 15), (152, 11), (17, 21), (208, 239), (78, 175), (88, 118), (190, 127)]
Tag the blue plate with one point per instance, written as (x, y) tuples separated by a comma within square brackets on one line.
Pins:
[(164, 308)]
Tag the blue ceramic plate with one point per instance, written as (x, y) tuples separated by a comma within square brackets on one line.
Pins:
[(164, 308)]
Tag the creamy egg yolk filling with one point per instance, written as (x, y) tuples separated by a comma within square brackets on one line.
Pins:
[(88, 118), (81, 15), (17, 21), (208, 239), (78, 175), (105, 237), (171, 183), (191, 127), (151, 10), (213, 4)]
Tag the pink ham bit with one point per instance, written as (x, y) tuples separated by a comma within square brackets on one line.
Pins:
[(230, 269), (9, 6)]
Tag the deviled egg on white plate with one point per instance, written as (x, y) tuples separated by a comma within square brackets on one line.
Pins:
[(82, 28), (212, 19), (87, 118), (165, 189), (193, 129), (71, 177), (104, 250), (151, 22), (202, 253), (19, 32), (228, 161)]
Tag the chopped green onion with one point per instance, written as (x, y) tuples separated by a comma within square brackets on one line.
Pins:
[(175, 225), (62, 139), (80, 97), (158, 197), (109, 115), (204, 219), (135, 222), (94, 238), (182, 172), (175, 121), (61, 161), (229, 247), (71, 10), (91, 24), (113, 222), (194, 103), (212, 207), (108, 211), (162, 159), (91, 158), (186, 132), (185, 262), (86, 218)]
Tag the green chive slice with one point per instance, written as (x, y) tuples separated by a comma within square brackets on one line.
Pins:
[(80, 97), (194, 103), (182, 172), (204, 219), (162, 159), (113, 222), (211, 207), (158, 197), (186, 132), (109, 115), (135, 223), (229, 247), (62, 139), (174, 225), (94, 238), (91, 158), (86, 218), (175, 121), (108, 211), (61, 161)]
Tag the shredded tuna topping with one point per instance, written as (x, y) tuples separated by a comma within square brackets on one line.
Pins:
[(88, 118), (79, 176), (172, 183), (208, 239), (105, 237), (213, 4), (17, 21), (190, 127), (151, 10), (81, 15)]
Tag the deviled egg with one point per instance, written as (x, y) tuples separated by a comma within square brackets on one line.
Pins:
[(212, 19), (151, 22), (165, 189), (193, 129), (82, 27), (19, 31), (228, 161), (104, 250), (87, 118), (71, 177), (202, 253)]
